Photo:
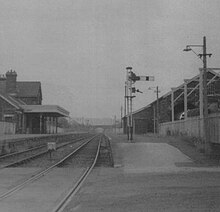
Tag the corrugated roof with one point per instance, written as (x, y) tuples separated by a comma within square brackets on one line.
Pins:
[(28, 89)]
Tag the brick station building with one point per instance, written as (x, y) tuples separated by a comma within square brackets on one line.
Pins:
[(21, 103)]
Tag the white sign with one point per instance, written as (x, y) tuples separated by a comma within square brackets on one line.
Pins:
[(51, 145), (146, 78)]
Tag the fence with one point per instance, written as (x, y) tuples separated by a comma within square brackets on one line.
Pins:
[(7, 128), (193, 127)]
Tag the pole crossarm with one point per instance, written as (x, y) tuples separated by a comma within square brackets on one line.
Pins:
[(210, 69), (193, 45)]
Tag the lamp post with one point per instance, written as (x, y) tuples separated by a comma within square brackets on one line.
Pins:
[(204, 103), (157, 110)]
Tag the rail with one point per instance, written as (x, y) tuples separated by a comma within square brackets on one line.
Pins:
[(78, 184), (32, 156), (43, 172)]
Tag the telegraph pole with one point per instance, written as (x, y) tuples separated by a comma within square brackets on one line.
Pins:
[(154, 119), (156, 108), (205, 98), (131, 118), (205, 79), (125, 99), (157, 91), (203, 92)]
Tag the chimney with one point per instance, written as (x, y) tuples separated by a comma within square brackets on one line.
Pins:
[(11, 77), (2, 84)]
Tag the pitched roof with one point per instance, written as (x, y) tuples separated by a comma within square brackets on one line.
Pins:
[(12, 100), (28, 89)]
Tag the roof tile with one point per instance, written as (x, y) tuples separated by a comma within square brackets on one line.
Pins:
[(28, 89)]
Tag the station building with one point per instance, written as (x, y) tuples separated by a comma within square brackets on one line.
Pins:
[(21, 103)]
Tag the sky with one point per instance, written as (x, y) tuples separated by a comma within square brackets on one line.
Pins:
[(79, 49)]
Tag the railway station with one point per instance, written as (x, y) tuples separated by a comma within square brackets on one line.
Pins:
[(38, 156), (168, 143), (75, 137)]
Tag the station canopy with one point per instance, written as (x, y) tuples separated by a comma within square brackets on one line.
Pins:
[(54, 110)]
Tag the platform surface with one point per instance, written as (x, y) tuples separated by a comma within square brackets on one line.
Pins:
[(147, 176)]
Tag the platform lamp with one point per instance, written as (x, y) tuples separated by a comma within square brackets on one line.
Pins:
[(203, 57)]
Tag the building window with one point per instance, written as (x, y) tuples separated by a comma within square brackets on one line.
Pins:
[(8, 118)]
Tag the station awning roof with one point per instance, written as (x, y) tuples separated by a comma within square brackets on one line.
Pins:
[(45, 109)]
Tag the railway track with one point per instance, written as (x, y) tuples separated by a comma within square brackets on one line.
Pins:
[(17, 158), (90, 162), (90, 145)]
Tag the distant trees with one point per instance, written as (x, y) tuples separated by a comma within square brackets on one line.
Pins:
[(71, 125), (63, 123)]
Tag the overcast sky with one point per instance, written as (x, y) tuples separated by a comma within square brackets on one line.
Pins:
[(79, 49)]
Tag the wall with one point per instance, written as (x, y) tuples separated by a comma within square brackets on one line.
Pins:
[(7, 128), (143, 121), (193, 127), (5, 108), (165, 109)]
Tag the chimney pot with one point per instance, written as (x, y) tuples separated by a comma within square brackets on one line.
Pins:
[(11, 78)]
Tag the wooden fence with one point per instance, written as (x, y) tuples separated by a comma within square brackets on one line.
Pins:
[(193, 127)]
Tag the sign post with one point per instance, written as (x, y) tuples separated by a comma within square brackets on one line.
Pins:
[(51, 146)]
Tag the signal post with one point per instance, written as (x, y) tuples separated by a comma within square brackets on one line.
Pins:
[(131, 78)]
